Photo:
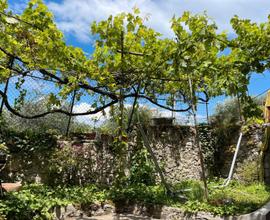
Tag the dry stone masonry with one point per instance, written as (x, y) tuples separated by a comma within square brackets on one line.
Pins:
[(173, 147)]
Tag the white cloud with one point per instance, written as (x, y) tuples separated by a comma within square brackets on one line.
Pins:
[(75, 17), (97, 118)]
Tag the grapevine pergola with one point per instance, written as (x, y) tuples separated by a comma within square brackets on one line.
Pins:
[(130, 61)]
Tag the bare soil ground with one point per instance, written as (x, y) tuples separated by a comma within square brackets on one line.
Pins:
[(114, 217)]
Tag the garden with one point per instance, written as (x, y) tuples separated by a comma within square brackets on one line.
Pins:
[(130, 161)]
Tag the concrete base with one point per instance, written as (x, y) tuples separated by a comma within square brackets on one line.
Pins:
[(260, 214)]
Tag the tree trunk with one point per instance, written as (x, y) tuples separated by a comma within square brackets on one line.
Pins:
[(197, 139)]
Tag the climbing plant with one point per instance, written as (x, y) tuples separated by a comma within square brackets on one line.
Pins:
[(130, 61)]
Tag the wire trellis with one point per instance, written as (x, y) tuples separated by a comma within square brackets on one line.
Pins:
[(39, 90)]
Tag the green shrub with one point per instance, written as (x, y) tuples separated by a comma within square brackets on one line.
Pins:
[(234, 199), (29, 154), (191, 189), (249, 172), (142, 169), (37, 201), (139, 193)]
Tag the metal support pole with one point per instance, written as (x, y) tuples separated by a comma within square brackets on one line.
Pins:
[(227, 181)]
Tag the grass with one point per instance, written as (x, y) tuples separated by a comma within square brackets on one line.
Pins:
[(235, 199)]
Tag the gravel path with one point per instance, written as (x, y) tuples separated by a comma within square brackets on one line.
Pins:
[(113, 217)]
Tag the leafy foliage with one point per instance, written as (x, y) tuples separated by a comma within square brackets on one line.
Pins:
[(250, 172), (72, 165), (139, 193), (130, 59), (111, 124), (226, 113), (142, 168), (232, 200), (192, 190), (209, 149), (226, 125), (54, 123), (37, 201), (29, 154)]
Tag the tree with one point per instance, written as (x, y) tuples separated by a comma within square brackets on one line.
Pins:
[(56, 123), (111, 124)]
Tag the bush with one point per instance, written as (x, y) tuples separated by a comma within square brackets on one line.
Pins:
[(249, 172), (56, 123), (139, 193), (192, 190), (29, 154), (226, 113), (69, 166), (142, 169), (234, 199), (38, 201)]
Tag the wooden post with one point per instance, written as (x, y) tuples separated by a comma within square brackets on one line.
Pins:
[(263, 176), (5, 91), (121, 151), (150, 151), (239, 108), (133, 109), (267, 108), (71, 110), (121, 101)]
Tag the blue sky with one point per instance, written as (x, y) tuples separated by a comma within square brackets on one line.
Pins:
[(74, 17)]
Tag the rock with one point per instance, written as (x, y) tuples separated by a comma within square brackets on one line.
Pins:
[(99, 212), (94, 207), (70, 208), (108, 208), (71, 211)]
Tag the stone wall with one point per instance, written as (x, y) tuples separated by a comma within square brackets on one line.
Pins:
[(95, 155), (173, 147), (92, 157)]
